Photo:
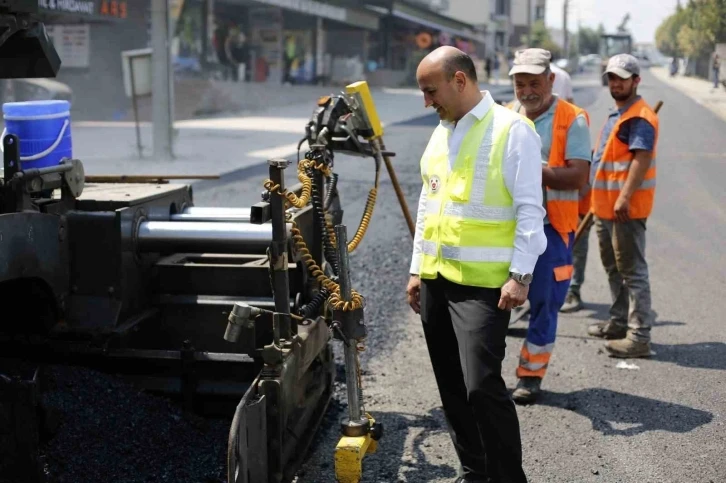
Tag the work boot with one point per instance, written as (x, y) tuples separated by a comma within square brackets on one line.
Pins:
[(573, 303), (607, 330), (627, 348), (527, 390)]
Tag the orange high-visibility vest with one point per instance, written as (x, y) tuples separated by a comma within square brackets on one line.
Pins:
[(563, 206), (615, 166)]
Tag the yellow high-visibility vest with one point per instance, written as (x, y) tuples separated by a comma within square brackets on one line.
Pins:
[(470, 223)]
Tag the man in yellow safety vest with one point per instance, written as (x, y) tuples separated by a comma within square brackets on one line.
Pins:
[(479, 233)]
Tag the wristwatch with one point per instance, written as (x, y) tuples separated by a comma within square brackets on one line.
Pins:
[(524, 279)]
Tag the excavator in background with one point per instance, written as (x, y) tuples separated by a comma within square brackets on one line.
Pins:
[(620, 42)]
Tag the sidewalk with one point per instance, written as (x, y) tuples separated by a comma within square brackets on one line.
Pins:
[(219, 145), (700, 90)]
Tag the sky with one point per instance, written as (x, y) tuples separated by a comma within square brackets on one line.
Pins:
[(645, 15)]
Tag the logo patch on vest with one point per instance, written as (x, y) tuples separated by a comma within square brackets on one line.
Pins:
[(434, 183)]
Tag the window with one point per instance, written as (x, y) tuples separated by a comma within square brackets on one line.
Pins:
[(501, 7)]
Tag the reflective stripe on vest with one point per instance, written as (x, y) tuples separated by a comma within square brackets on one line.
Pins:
[(614, 168), (469, 225)]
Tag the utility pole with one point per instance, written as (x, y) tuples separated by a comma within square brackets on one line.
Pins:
[(529, 23), (566, 39), (161, 94)]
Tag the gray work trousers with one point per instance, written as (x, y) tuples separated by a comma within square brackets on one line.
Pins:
[(579, 260), (622, 251)]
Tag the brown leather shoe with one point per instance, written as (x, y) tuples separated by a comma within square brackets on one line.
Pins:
[(607, 330)]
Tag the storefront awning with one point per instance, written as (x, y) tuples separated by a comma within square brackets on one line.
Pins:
[(433, 20), (356, 18)]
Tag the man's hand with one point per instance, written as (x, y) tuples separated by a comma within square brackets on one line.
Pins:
[(413, 292), (622, 209), (513, 295)]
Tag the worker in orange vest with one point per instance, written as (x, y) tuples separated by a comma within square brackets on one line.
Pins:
[(623, 192), (566, 151)]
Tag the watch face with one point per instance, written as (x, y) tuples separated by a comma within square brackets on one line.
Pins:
[(527, 278)]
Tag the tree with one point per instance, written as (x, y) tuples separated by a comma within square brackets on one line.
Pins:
[(712, 19), (542, 38), (666, 36), (693, 42), (693, 30), (588, 41)]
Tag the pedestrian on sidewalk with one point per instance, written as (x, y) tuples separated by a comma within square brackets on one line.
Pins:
[(715, 67), (479, 232), (622, 200), (566, 152)]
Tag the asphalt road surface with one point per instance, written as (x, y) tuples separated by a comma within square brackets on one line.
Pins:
[(662, 421)]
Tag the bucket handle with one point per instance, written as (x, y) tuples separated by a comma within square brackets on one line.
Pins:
[(41, 154)]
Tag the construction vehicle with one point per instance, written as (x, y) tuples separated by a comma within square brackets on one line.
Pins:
[(620, 42), (128, 276)]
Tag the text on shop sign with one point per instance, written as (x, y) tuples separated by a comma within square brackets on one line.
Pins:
[(107, 8)]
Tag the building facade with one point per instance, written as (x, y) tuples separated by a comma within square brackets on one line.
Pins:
[(293, 42), (409, 31), (89, 36)]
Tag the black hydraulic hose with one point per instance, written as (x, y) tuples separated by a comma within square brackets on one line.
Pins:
[(317, 199), (312, 308), (331, 191)]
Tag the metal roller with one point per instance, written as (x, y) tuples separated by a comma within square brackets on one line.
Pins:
[(199, 213), (197, 237)]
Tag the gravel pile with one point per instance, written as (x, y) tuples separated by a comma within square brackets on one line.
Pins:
[(108, 430)]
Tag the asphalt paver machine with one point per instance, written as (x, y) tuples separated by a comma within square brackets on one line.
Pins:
[(133, 278)]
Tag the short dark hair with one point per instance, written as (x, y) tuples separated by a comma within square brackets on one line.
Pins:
[(460, 62)]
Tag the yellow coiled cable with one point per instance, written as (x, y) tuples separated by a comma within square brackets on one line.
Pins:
[(334, 299)]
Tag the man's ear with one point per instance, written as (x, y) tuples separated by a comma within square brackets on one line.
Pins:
[(461, 80)]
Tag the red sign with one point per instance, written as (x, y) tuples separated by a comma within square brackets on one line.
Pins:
[(113, 8)]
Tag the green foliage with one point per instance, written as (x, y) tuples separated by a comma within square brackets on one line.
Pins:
[(541, 38), (694, 30), (589, 40), (693, 42), (666, 36)]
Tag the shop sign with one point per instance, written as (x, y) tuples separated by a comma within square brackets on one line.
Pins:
[(87, 7), (113, 8), (102, 8), (72, 42), (311, 7)]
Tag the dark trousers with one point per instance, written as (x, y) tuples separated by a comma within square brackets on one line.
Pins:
[(465, 334)]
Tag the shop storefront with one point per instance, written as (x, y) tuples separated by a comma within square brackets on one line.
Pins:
[(408, 34), (276, 41), (89, 36)]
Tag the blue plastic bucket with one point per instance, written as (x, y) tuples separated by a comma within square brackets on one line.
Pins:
[(44, 130)]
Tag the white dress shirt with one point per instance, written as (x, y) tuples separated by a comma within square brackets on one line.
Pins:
[(523, 178), (563, 83)]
